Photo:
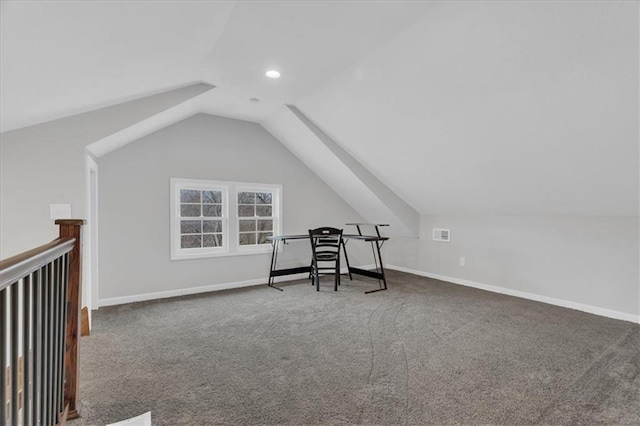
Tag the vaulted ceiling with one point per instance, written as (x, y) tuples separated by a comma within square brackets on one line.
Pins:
[(62, 58), (458, 107)]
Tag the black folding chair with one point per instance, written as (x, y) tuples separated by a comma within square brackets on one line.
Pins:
[(325, 252)]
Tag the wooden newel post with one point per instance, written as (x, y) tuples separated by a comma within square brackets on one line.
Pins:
[(72, 228)]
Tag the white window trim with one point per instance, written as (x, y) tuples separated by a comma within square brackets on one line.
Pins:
[(230, 220)]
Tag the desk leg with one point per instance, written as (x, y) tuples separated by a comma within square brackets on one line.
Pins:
[(379, 259), (274, 261), (346, 258), (384, 279)]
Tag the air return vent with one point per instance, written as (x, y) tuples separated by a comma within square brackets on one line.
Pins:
[(442, 235)]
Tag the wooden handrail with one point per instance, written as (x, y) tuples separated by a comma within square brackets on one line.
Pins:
[(21, 265)]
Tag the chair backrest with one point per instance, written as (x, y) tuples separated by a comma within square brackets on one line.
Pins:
[(325, 241)]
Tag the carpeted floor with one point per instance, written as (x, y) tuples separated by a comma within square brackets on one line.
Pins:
[(423, 352)]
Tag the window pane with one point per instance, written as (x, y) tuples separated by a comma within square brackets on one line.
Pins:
[(263, 198), (265, 225), (246, 197), (190, 241), (212, 226), (190, 227), (189, 196), (212, 197), (246, 211), (247, 239), (263, 210), (247, 225), (212, 210), (262, 237), (212, 240), (190, 210)]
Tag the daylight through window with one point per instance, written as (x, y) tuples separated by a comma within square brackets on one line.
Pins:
[(212, 218), (255, 213), (200, 218)]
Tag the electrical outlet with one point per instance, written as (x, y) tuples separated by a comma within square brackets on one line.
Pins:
[(463, 261)]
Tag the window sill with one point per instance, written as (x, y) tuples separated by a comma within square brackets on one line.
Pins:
[(247, 252)]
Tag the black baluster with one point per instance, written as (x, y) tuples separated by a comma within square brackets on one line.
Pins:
[(35, 344), (50, 343), (44, 386), (26, 340), (14, 352)]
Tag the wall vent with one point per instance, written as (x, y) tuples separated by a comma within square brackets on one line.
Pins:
[(442, 235)]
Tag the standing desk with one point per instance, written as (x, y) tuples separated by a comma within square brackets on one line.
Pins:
[(376, 242)]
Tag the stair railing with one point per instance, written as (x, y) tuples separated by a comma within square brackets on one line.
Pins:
[(39, 331)]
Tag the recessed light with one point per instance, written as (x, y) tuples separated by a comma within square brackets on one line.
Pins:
[(254, 100), (272, 74)]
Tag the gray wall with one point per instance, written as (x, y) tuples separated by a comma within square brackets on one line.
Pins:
[(515, 124), (134, 204), (589, 260), (45, 164)]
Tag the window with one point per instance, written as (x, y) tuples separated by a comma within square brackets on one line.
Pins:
[(255, 217), (200, 218), (211, 218)]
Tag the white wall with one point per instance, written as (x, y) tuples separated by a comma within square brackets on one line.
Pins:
[(134, 205)]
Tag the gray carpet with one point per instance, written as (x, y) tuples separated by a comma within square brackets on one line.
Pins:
[(423, 352)]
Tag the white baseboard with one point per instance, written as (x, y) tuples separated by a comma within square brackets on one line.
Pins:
[(204, 289), (177, 292), (524, 295), (192, 290)]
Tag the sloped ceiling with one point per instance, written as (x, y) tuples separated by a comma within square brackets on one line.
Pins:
[(498, 108), (459, 107), (63, 58)]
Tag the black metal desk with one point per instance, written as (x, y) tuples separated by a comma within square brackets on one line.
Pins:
[(376, 242)]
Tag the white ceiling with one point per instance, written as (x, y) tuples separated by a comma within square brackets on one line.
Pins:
[(459, 107), (498, 108), (63, 58)]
